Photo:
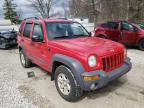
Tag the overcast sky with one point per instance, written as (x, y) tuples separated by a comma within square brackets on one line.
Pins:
[(27, 11)]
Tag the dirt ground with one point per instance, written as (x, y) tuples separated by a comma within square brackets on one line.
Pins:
[(19, 91)]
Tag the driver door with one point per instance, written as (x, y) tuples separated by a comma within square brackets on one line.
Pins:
[(39, 50), (128, 33)]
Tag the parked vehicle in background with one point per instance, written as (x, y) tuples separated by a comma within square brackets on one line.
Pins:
[(77, 62), (8, 38), (121, 31), (141, 25)]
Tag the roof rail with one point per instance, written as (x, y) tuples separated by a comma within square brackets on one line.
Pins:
[(31, 18), (59, 18), (63, 18)]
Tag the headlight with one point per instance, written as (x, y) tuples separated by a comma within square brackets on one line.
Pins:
[(92, 61)]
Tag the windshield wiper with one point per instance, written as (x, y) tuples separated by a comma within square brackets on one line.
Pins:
[(61, 37), (74, 36), (81, 35)]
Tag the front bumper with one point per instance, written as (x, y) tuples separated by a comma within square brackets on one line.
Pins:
[(8, 43), (105, 78)]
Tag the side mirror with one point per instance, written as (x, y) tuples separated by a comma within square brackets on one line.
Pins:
[(36, 38), (136, 29)]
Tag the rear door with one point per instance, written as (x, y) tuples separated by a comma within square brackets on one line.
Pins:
[(39, 51), (26, 38), (128, 33), (20, 33), (113, 31)]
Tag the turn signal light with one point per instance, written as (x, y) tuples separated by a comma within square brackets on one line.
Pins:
[(88, 78)]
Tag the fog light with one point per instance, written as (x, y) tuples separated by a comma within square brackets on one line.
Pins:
[(88, 78), (94, 86)]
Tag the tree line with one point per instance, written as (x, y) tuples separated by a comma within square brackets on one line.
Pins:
[(10, 11), (105, 10), (95, 10)]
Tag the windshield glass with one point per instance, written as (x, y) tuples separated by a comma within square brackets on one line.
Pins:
[(60, 30)]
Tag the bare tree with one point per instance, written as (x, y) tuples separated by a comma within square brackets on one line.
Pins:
[(77, 8), (106, 10), (65, 7), (43, 7)]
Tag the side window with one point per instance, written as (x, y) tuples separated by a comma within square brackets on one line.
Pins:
[(112, 25), (127, 26), (27, 30), (37, 31), (104, 25)]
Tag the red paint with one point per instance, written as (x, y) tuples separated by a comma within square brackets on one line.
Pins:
[(79, 48)]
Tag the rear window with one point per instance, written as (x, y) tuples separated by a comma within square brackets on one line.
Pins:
[(27, 30), (105, 25), (111, 25)]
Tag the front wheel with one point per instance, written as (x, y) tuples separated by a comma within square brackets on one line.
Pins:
[(141, 45), (66, 84)]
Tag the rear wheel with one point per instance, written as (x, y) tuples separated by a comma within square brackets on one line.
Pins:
[(24, 60), (141, 45), (66, 84)]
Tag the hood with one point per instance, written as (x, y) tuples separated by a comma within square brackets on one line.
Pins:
[(141, 31), (8, 35), (89, 45)]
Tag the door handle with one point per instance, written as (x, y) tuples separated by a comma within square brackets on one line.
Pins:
[(49, 49)]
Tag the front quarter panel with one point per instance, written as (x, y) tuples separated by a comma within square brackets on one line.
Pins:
[(75, 66)]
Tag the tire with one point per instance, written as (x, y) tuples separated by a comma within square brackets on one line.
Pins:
[(141, 45), (67, 83), (26, 63)]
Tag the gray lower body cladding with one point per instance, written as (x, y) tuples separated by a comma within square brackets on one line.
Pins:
[(105, 78), (79, 72)]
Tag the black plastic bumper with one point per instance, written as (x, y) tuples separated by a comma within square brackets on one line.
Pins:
[(105, 78), (7, 44)]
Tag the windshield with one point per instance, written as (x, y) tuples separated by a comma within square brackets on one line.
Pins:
[(60, 30)]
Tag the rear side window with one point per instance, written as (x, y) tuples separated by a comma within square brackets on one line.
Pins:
[(105, 25), (27, 30), (112, 25)]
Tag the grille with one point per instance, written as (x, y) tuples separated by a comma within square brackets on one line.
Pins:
[(2, 40), (112, 62)]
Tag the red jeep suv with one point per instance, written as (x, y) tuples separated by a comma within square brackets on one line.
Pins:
[(121, 31), (77, 62)]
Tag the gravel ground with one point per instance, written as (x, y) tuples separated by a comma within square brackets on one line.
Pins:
[(19, 91)]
